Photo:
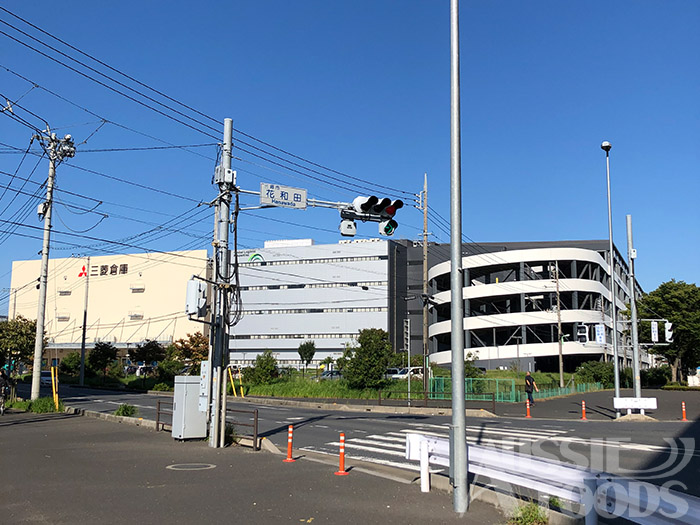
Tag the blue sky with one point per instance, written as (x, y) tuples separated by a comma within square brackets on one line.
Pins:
[(363, 88)]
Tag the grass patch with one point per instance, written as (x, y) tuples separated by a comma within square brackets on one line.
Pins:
[(45, 405), (126, 410), (530, 514), (20, 405), (162, 387), (332, 389)]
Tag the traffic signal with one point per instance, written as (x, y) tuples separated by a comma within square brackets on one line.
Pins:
[(364, 204), (370, 208), (668, 329), (582, 334)]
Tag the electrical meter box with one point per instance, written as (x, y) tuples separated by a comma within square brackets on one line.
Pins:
[(188, 421)]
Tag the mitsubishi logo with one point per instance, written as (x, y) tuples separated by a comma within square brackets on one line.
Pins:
[(82, 273)]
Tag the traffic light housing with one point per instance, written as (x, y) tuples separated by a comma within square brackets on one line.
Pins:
[(668, 329), (373, 209), (582, 333)]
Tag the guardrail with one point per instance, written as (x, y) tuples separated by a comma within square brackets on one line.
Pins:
[(253, 425), (160, 424), (598, 492)]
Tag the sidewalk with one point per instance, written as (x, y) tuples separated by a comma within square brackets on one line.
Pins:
[(599, 406), (72, 469)]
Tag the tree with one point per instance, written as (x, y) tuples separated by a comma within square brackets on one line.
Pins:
[(679, 302), (148, 351), (369, 359), (17, 338), (101, 357), (264, 371), (307, 350), (71, 364), (194, 348)]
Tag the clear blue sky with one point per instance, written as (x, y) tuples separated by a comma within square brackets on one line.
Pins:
[(362, 87)]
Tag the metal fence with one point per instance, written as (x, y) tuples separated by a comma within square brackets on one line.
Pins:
[(503, 390)]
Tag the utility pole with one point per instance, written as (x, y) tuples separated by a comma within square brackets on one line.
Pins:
[(225, 178), (424, 204), (632, 255), (458, 438), (561, 354), (85, 310), (57, 150)]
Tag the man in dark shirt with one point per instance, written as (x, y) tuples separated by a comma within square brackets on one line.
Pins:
[(529, 386), (4, 389)]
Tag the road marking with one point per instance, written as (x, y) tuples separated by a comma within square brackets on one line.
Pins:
[(349, 444), (295, 418), (320, 426), (388, 463)]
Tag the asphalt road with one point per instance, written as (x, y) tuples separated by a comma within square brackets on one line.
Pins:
[(66, 469), (656, 452)]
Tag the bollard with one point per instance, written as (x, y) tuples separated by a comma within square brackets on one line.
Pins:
[(290, 432), (683, 408), (341, 469), (527, 404), (424, 467), (583, 410)]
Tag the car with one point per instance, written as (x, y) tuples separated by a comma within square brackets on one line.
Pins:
[(129, 370), (144, 370), (45, 378), (330, 374), (416, 373), (390, 372)]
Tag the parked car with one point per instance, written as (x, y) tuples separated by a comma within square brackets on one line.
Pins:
[(144, 370), (129, 370), (45, 378), (416, 373), (330, 374), (391, 372)]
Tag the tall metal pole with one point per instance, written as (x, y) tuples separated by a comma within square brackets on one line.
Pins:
[(85, 311), (459, 420), (426, 374), (225, 181), (606, 146), (560, 337), (631, 256), (43, 278)]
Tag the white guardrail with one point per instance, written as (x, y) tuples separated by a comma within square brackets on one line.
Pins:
[(599, 493)]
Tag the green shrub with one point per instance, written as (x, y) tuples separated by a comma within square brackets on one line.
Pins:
[(264, 371), (44, 405), (657, 376), (596, 372), (162, 387), (530, 514), (70, 364), (126, 410)]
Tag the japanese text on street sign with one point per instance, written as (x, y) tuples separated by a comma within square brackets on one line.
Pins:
[(655, 332), (284, 196), (600, 334)]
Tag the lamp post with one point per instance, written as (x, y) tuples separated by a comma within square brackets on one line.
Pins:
[(606, 146)]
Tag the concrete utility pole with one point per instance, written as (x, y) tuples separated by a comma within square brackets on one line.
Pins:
[(631, 256), (459, 421), (57, 150), (225, 178), (424, 201), (559, 334), (85, 311), (606, 146)]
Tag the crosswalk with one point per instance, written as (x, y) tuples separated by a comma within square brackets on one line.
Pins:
[(389, 448)]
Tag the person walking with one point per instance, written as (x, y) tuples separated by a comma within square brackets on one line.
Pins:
[(4, 391), (530, 385)]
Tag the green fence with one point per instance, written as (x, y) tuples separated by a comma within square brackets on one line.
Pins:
[(503, 390)]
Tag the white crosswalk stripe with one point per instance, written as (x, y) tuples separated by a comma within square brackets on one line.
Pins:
[(386, 448)]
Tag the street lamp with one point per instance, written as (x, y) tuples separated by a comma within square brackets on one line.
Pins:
[(606, 146)]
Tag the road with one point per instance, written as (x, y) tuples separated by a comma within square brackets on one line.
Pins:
[(656, 452)]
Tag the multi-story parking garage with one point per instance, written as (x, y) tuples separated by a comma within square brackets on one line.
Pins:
[(512, 310)]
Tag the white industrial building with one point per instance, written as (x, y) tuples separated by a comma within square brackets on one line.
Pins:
[(297, 291)]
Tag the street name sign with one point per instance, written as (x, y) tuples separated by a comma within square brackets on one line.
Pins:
[(282, 196)]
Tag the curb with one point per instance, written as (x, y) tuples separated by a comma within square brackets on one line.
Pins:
[(134, 421), (380, 409)]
